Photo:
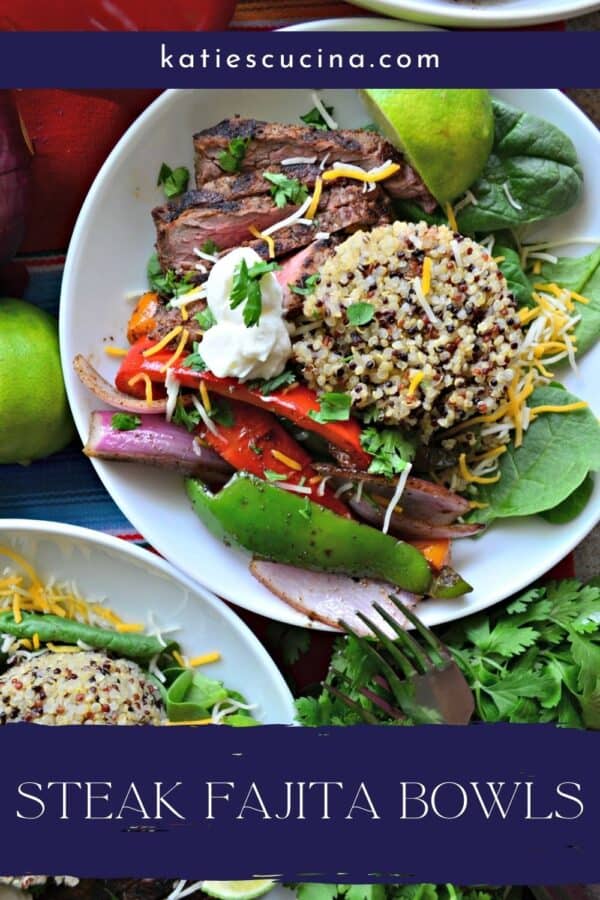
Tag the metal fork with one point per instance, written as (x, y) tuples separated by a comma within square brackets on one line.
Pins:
[(417, 679)]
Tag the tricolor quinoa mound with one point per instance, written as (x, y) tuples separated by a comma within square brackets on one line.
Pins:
[(84, 688), (442, 333)]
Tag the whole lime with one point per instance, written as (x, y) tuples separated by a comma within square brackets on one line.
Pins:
[(446, 135), (34, 414)]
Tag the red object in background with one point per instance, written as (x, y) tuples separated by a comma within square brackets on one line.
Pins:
[(115, 15)]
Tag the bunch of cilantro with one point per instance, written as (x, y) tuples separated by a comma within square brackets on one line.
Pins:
[(536, 659), (401, 892)]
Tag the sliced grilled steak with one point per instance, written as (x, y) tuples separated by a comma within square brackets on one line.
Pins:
[(190, 222), (101, 889), (271, 142), (166, 319), (183, 226), (300, 266), (253, 183)]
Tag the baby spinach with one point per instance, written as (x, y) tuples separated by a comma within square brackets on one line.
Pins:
[(189, 695), (572, 505), (534, 164), (558, 451), (580, 274), (516, 279)]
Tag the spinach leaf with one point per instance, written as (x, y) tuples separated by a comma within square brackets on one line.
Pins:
[(533, 163), (582, 275), (191, 695), (572, 505), (558, 451), (517, 280)]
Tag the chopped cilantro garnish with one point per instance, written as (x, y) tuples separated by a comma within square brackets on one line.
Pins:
[(270, 385), (332, 408), (258, 451), (270, 475), (194, 360), (360, 313), (286, 190), (230, 160), (188, 418), (125, 422), (209, 247), (167, 284), (174, 181), (390, 448), (222, 414), (308, 286), (313, 117), (246, 289), (205, 319)]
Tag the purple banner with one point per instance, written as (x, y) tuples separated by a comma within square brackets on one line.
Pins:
[(299, 60), (495, 804)]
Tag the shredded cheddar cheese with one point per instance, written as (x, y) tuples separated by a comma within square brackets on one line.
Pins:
[(142, 376), (264, 237), (129, 627), (205, 659), (426, 275), (180, 348), (115, 351), (316, 199), (179, 659), (175, 332), (470, 478), (193, 722), (286, 460), (205, 397), (415, 381), (567, 407), (359, 174), (451, 217)]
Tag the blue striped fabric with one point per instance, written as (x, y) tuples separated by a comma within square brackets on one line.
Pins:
[(65, 487)]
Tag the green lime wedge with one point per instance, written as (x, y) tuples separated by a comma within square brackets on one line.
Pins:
[(237, 890), (446, 135)]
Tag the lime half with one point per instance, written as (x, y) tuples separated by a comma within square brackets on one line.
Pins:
[(446, 135), (237, 890)]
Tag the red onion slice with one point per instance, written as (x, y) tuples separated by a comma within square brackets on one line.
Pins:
[(101, 388)]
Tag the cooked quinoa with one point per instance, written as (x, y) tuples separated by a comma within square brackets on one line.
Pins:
[(85, 688), (428, 359)]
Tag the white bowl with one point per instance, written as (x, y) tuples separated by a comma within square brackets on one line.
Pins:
[(107, 258), (362, 23), (480, 13), (136, 584)]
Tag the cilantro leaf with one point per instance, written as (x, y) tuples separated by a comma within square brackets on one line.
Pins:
[(167, 284), (286, 190), (313, 117), (271, 475), (270, 385), (308, 286), (174, 182), (230, 160), (210, 247), (390, 448), (288, 640), (332, 408), (125, 422), (360, 313), (188, 418), (194, 360), (205, 319), (246, 288), (222, 413)]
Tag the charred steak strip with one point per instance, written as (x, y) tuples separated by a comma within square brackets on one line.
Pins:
[(271, 142)]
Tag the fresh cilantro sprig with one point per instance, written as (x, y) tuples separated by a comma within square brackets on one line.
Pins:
[(314, 118), (167, 284), (246, 289), (333, 407), (270, 385), (313, 891), (125, 422), (390, 448), (210, 248), (308, 286), (205, 319), (194, 360), (536, 659), (174, 182), (231, 160), (360, 314), (286, 190)]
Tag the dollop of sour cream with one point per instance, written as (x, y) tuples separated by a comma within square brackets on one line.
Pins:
[(229, 348)]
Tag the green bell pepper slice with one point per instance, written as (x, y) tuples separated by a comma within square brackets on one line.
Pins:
[(284, 527)]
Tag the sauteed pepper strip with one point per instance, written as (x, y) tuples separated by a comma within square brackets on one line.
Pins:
[(293, 403), (255, 442), (283, 527)]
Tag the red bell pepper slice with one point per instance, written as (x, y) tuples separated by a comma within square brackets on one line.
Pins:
[(256, 442), (293, 403)]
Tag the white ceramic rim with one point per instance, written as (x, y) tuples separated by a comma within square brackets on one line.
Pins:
[(360, 23), (145, 557)]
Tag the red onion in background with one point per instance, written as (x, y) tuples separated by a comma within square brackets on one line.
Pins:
[(15, 177)]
